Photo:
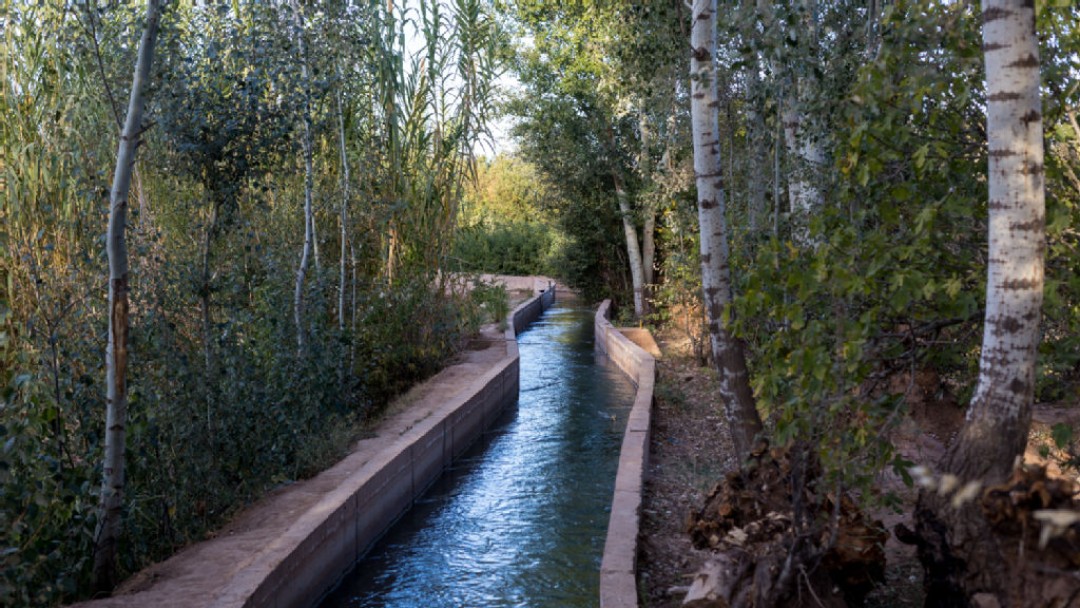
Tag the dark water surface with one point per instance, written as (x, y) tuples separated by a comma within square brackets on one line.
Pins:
[(520, 519)]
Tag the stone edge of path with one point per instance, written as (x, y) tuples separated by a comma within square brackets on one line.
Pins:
[(322, 543), (618, 567)]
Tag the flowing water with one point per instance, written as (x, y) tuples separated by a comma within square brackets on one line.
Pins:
[(520, 518)]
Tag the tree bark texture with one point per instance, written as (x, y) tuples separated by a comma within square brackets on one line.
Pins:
[(758, 135), (648, 233), (805, 156), (633, 249), (963, 555), (995, 431), (116, 351), (735, 393), (309, 227)]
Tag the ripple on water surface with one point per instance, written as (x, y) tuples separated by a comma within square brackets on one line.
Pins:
[(520, 519)]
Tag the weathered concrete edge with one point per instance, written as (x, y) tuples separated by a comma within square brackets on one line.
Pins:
[(324, 543), (618, 567)]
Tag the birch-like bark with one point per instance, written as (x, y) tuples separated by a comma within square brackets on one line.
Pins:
[(999, 416), (804, 150), (735, 393), (107, 535), (806, 156), (308, 145)]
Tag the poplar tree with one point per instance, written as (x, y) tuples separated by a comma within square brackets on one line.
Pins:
[(116, 350), (964, 554), (728, 355)]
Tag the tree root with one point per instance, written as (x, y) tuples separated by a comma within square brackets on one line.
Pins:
[(780, 540)]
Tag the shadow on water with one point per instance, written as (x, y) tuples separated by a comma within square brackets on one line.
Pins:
[(520, 518)]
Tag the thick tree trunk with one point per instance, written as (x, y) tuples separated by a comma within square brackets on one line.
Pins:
[(728, 355), (116, 351), (309, 228), (963, 555), (999, 416)]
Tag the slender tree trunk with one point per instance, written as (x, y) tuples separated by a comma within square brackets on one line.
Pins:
[(391, 252), (648, 248), (804, 150), (777, 144), (648, 234), (344, 214), (210, 370), (344, 366), (759, 154), (204, 292), (353, 311), (735, 393), (116, 352), (963, 555), (315, 243), (308, 144), (633, 249)]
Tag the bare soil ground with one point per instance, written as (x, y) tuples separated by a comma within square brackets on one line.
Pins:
[(691, 451)]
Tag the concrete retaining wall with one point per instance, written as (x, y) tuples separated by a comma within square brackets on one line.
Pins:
[(536, 284), (324, 543), (618, 579)]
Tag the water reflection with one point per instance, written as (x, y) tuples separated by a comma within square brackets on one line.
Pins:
[(520, 519)]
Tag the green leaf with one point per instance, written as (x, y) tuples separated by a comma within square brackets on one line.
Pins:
[(1062, 434), (920, 156)]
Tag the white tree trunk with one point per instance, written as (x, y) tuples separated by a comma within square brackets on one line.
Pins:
[(116, 351), (308, 144), (806, 157), (728, 355), (961, 553), (633, 249), (999, 416)]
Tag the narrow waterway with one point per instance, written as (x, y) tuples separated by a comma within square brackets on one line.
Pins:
[(520, 519)]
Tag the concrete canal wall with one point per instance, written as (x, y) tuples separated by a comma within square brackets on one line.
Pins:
[(618, 567), (325, 542)]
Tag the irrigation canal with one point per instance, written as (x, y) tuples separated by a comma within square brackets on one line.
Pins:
[(520, 518)]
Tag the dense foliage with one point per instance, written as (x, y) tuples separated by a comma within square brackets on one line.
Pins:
[(506, 225), (222, 404), (854, 140)]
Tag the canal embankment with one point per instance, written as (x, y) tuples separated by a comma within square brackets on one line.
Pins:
[(289, 548), (630, 350)]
